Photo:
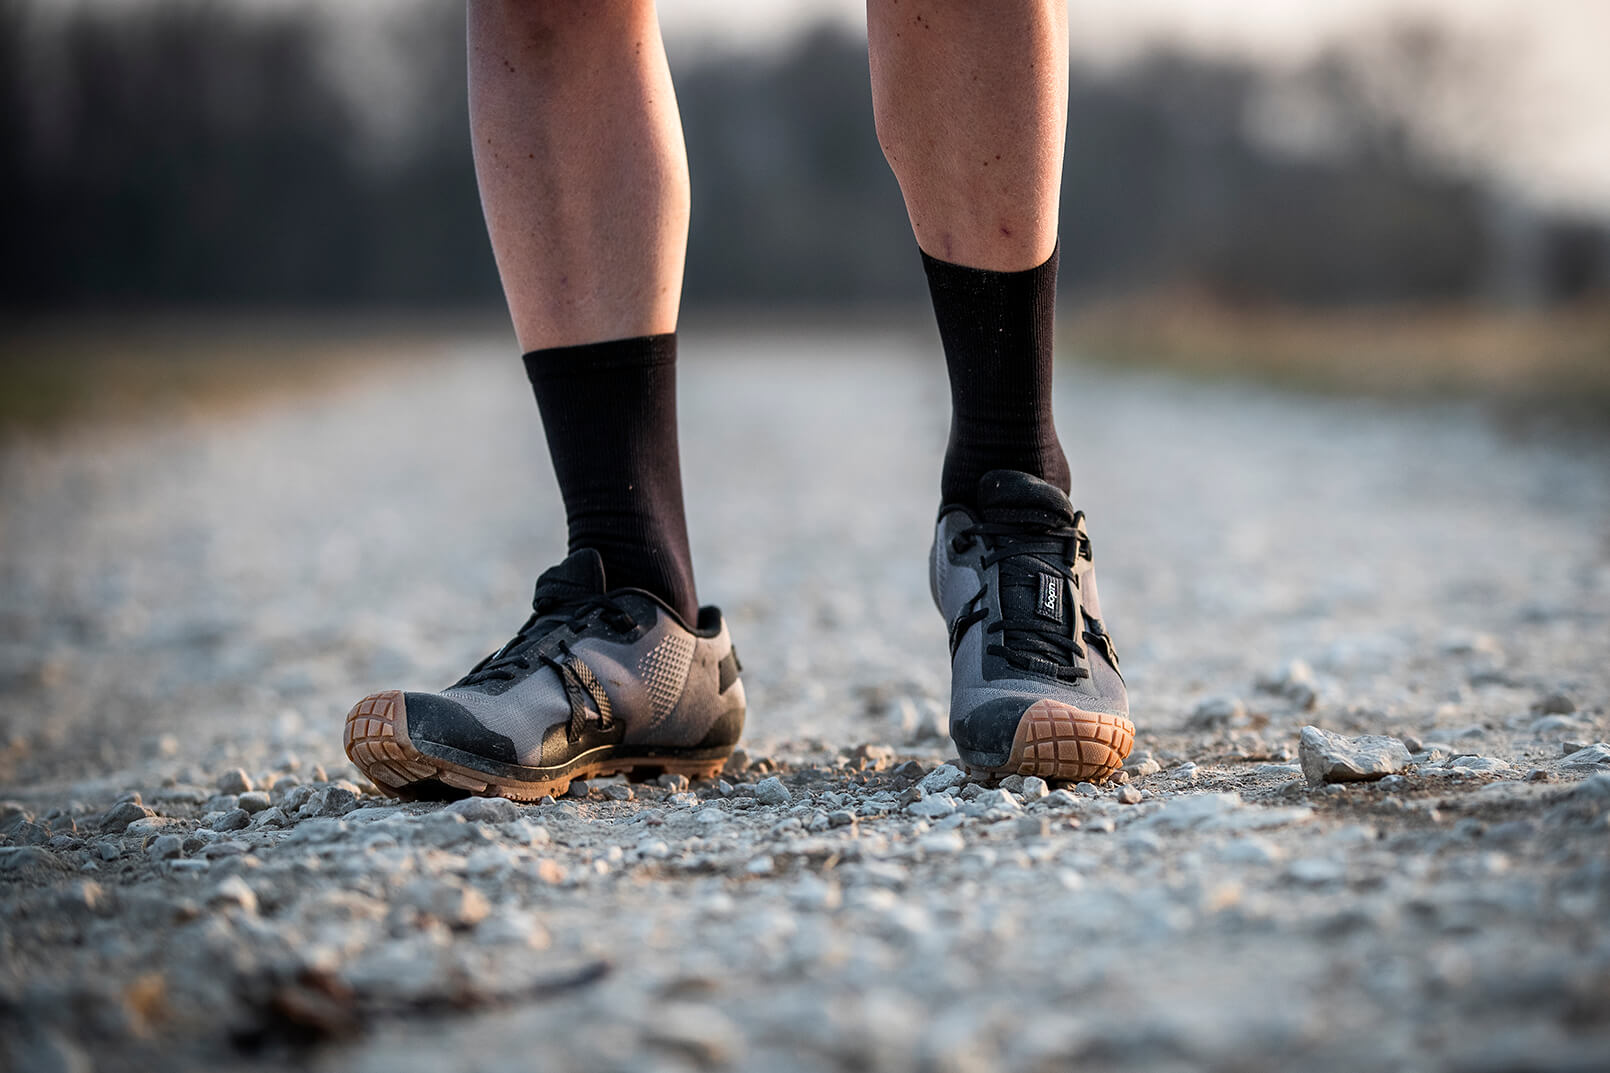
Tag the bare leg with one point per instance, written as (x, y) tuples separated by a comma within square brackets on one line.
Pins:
[(583, 174), (971, 104)]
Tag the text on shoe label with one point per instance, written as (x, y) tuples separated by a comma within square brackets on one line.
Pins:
[(1050, 603)]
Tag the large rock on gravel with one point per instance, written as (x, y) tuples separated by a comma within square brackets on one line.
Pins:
[(1327, 757), (1596, 755)]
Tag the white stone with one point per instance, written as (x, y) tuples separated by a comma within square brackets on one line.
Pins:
[(942, 778), (1595, 755), (935, 807), (771, 791), (485, 809), (1330, 758)]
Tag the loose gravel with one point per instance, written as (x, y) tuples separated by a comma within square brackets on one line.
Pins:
[(192, 876)]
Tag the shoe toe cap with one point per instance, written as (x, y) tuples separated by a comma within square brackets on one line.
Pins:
[(983, 734), (444, 721)]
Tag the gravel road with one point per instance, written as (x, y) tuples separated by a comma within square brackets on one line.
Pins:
[(192, 876)]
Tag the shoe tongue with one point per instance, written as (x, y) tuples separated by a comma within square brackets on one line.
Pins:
[(1028, 591), (1008, 495), (581, 574)]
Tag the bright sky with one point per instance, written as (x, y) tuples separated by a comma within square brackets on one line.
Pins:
[(1533, 105), (1527, 100)]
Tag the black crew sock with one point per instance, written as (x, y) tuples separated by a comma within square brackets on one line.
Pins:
[(609, 411), (996, 330)]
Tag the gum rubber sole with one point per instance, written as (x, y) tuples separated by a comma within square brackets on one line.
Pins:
[(376, 740), (1061, 743)]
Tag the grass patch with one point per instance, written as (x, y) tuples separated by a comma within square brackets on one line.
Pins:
[(61, 372), (1559, 357)]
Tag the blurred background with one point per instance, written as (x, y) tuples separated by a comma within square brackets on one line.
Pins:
[(1370, 194)]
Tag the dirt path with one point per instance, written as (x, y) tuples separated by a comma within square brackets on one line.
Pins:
[(181, 600)]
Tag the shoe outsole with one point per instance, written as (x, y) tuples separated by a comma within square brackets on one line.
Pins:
[(1061, 743), (377, 741)]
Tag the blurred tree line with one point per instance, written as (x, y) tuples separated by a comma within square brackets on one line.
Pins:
[(187, 154)]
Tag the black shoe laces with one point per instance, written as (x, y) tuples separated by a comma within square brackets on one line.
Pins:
[(558, 603), (1024, 551)]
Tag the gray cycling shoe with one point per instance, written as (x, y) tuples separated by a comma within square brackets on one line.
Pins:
[(1035, 687), (594, 683)]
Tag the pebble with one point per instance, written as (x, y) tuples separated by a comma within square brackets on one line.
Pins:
[(771, 791), (1590, 756), (674, 783), (1035, 788), (935, 807), (1128, 795), (234, 781), (164, 847), (1216, 713), (1060, 798), (486, 809), (1293, 681), (1332, 758), (578, 789), (337, 801), (1552, 725), (994, 801), (152, 825), (942, 778), (619, 791), (227, 848), (30, 861), (1554, 704), (270, 817), (233, 820), (295, 798), (1140, 768), (117, 818), (29, 834)]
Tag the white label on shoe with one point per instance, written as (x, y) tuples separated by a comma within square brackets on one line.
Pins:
[(1050, 603)]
